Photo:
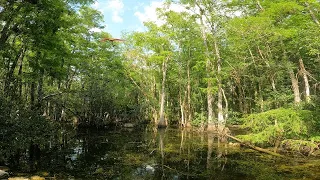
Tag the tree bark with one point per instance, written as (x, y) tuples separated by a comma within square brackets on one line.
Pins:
[(226, 109), (183, 124), (306, 81), (208, 69), (188, 95), (162, 121), (273, 84), (295, 87), (40, 87), (32, 95), (221, 120), (20, 77)]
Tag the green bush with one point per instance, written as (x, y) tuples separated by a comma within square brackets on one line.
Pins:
[(277, 124)]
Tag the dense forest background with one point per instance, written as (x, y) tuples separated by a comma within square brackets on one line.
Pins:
[(215, 63)]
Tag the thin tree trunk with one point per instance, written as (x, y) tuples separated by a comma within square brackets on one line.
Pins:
[(162, 121), (295, 87), (306, 81)]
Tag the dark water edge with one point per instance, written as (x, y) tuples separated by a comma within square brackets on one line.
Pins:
[(148, 153)]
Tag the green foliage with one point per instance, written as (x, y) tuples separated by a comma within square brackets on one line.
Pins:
[(199, 119), (234, 118), (266, 127), (19, 128)]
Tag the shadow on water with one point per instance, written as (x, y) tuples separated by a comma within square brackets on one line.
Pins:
[(151, 153)]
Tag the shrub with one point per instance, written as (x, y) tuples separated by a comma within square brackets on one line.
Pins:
[(277, 124)]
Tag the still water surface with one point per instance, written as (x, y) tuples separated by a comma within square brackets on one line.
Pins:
[(166, 154)]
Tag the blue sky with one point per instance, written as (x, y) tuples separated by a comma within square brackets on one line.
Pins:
[(126, 15)]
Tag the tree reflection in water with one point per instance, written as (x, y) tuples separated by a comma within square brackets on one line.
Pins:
[(148, 154)]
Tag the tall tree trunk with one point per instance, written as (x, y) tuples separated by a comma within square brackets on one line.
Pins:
[(295, 87), (210, 104), (294, 80), (221, 120), (40, 91), (162, 120), (32, 94), (188, 95), (208, 69), (154, 109), (20, 77), (183, 124), (226, 109), (40, 87), (306, 81)]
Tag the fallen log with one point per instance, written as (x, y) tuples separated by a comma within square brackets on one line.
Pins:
[(254, 147)]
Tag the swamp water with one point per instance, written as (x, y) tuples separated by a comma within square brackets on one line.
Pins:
[(151, 154)]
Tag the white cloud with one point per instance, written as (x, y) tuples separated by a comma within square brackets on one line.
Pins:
[(150, 12), (116, 6), (105, 29), (113, 7), (96, 30), (96, 5)]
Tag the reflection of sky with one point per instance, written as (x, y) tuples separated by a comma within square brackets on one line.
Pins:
[(76, 152), (144, 170)]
